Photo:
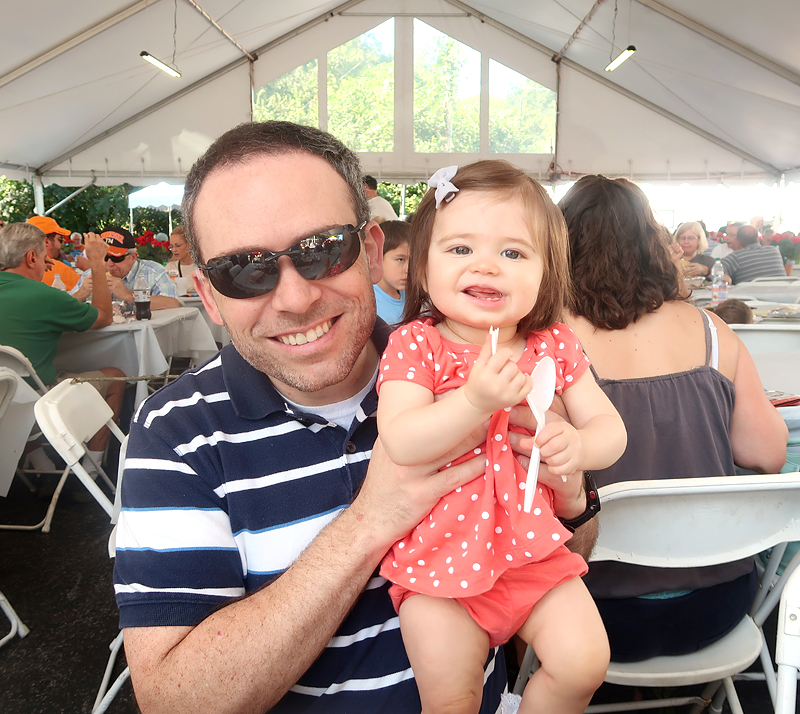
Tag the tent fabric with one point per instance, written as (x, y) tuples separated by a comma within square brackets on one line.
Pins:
[(162, 195), (712, 93)]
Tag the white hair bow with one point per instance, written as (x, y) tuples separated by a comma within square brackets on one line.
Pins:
[(445, 191)]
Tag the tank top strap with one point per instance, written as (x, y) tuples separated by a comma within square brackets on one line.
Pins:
[(712, 340)]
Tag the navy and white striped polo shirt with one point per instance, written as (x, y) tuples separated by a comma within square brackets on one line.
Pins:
[(224, 487)]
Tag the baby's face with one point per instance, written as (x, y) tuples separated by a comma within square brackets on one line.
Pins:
[(483, 268)]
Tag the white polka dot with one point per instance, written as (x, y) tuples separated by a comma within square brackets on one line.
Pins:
[(410, 375), (487, 462), (404, 332), (464, 544), (529, 534), (476, 566), (498, 530), (394, 563), (527, 554), (477, 450), (436, 583), (450, 570), (449, 559), (420, 338), (399, 355), (484, 515), (461, 517), (555, 331), (492, 573), (521, 485), (412, 580), (509, 557), (386, 367), (477, 526), (505, 496), (537, 511), (420, 562), (433, 523), (448, 535), (401, 544), (568, 378), (556, 536), (513, 541), (432, 573), (436, 367), (505, 447), (409, 569), (543, 345), (430, 356), (419, 538), (445, 506), (497, 467), (561, 345), (474, 497), (464, 584), (507, 409), (458, 489), (412, 346), (498, 437), (489, 545)]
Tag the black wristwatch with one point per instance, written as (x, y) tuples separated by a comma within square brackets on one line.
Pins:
[(592, 504)]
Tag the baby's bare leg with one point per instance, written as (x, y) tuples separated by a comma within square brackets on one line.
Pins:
[(447, 651), (567, 634)]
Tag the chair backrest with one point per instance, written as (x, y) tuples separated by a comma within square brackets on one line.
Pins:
[(14, 359), (70, 414), (697, 521), (8, 388), (777, 280)]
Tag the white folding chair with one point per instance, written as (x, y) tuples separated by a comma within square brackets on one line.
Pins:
[(693, 523), (69, 415), (787, 649), (8, 387), (14, 359)]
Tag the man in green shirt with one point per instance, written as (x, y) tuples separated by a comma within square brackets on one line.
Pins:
[(34, 315)]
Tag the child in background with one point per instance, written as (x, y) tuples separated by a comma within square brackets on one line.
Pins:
[(734, 312), (489, 248), (389, 292)]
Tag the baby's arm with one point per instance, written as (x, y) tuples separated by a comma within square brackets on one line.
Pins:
[(595, 439), (416, 429)]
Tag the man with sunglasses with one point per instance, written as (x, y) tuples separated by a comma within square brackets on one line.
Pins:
[(256, 502), (123, 267)]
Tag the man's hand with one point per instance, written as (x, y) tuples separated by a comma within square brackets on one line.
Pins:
[(85, 290), (117, 287), (394, 499), (495, 381), (96, 248)]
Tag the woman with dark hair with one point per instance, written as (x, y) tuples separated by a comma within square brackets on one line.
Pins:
[(687, 415)]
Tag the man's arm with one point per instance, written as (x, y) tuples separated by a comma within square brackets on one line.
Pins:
[(101, 295), (244, 657)]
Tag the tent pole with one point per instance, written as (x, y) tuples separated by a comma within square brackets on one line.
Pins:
[(130, 224), (72, 195), (554, 173), (38, 193), (169, 211)]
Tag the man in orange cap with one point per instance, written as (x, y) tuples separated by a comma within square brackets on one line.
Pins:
[(54, 236)]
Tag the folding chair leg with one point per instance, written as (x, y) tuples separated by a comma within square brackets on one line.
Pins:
[(18, 627), (733, 698), (787, 689), (112, 692), (526, 669), (44, 524), (22, 477)]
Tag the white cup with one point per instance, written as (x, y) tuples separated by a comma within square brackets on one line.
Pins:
[(180, 284)]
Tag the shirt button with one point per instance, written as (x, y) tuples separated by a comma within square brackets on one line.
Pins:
[(351, 447)]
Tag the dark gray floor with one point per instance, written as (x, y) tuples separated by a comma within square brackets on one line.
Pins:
[(60, 584)]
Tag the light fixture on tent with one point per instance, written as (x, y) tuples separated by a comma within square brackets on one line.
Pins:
[(621, 57), (147, 57)]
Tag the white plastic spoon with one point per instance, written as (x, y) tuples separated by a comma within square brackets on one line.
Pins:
[(539, 399)]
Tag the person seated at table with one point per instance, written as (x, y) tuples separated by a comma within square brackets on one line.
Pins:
[(123, 265), (750, 259), (733, 312), (54, 235), (686, 415), (182, 263), (692, 238), (34, 315)]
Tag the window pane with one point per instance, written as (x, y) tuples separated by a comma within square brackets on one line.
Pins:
[(447, 87), (522, 113), (292, 97), (361, 90)]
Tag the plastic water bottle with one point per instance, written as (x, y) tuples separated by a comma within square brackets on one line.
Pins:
[(58, 283), (141, 298), (719, 286)]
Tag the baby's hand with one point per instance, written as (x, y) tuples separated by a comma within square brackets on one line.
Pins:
[(495, 381), (561, 447)]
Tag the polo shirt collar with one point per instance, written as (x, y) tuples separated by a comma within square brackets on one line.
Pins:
[(253, 395)]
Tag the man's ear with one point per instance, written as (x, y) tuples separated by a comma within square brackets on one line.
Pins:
[(206, 293), (373, 247)]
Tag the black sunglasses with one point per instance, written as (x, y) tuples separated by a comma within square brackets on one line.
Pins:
[(116, 258), (323, 255)]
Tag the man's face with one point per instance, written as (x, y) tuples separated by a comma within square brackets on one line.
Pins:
[(121, 269), (730, 238), (52, 244), (270, 203)]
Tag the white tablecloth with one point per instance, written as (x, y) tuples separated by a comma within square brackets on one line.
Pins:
[(773, 336), (138, 348), (764, 293), (15, 427), (218, 331)]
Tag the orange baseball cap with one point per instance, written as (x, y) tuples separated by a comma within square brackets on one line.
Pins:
[(48, 225), (119, 241)]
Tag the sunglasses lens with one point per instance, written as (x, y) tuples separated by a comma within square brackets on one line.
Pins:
[(116, 258), (246, 275)]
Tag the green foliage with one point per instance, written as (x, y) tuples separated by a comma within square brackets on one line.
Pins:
[(91, 210), (414, 194), (361, 94), (292, 97), (523, 122)]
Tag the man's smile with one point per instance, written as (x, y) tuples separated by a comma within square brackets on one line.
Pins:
[(301, 338)]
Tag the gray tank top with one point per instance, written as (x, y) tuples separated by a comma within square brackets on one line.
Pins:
[(678, 427)]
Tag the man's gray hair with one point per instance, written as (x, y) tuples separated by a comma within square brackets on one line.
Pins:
[(16, 239), (271, 138)]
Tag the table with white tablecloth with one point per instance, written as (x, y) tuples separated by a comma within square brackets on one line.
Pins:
[(218, 331), (138, 348), (759, 291), (15, 427)]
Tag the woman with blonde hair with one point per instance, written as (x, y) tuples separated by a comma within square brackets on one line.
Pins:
[(692, 238)]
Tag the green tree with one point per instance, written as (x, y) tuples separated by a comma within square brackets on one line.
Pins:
[(292, 97), (392, 192)]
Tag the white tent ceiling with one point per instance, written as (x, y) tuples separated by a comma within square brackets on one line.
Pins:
[(712, 93)]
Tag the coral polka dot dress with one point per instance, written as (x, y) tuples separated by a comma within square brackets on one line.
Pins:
[(480, 530)]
